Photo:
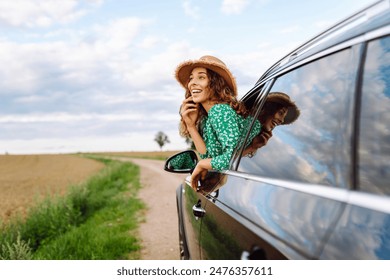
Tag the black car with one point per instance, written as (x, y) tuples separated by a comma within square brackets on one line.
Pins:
[(320, 188)]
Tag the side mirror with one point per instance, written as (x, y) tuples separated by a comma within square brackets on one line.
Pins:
[(183, 162)]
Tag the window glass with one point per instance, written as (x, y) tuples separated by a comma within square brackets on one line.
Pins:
[(251, 101), (374, 145), (316, 147)]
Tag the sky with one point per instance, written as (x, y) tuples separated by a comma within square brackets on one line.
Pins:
[(98, 75)]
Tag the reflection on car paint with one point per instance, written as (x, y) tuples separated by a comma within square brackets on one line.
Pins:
[(360, 234), (374, 146), (298, 218)]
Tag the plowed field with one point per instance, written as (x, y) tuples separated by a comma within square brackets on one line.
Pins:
[(24, 179)]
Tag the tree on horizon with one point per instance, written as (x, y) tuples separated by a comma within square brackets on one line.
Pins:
[(161, 139)]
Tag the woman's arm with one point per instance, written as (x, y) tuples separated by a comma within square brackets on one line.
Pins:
[(189, 111), (200, 172)]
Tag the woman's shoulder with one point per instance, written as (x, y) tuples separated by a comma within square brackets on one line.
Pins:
[(221, 109)]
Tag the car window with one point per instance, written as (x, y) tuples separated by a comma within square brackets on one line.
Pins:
[(316, 147), (251, 103), (374, 140)]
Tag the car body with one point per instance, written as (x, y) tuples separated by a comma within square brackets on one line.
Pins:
[(320, 188)]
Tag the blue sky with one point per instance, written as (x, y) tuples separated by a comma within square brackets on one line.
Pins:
[(98, 75)]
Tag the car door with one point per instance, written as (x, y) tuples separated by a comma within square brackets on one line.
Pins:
[(225, 232), (363, 231), (284, 201), (192, 205)]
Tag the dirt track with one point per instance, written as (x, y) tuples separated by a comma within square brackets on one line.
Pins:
[(159, 233)]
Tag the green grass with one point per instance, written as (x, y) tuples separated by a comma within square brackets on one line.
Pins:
[(95, 221)]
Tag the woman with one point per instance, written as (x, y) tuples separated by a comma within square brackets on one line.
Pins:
[(211, 114), (278, 109)]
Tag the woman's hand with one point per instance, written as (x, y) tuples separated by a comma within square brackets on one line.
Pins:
[(259, 141), (262, 139), (200, 172), (189, 112)]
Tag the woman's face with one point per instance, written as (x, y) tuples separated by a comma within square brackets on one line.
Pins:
[(276, 119), (198, 85)]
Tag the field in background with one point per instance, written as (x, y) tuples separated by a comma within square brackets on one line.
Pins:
[(25, 179), (94, 220), (149, 155)]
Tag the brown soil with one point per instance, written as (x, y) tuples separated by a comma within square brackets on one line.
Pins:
[(24, 179)]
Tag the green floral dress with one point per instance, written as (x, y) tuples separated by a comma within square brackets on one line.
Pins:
[(182, 161), (221, 130)]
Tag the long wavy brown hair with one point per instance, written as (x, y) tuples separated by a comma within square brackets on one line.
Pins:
[(220, 93)]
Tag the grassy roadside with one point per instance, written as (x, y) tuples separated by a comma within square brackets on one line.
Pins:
[(97, 220)]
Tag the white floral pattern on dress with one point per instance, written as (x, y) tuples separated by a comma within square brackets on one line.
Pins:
[(222, 130)]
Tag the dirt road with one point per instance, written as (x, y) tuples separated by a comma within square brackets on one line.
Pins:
[(159, 232)]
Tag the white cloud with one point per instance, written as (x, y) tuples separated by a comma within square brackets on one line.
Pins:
[(41, 13), (249, 66), (132, 141), (159, 69), (96, 2), (149, 42), (119, 33), (290, 29), (126, 140), (68, 117), (234, 6), (17, 72), (85, 60), (190, 9), (323, 24)]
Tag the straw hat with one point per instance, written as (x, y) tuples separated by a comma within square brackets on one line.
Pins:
[(282, 98), (183, 71)]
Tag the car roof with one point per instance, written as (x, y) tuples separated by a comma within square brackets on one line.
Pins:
[(374, 16)]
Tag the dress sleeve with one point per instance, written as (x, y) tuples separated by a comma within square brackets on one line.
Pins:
[(206, 154), (256, 129), (224, 121), (203, 156)]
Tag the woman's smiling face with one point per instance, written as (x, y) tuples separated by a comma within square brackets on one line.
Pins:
[(198, 85), (276, 119)]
